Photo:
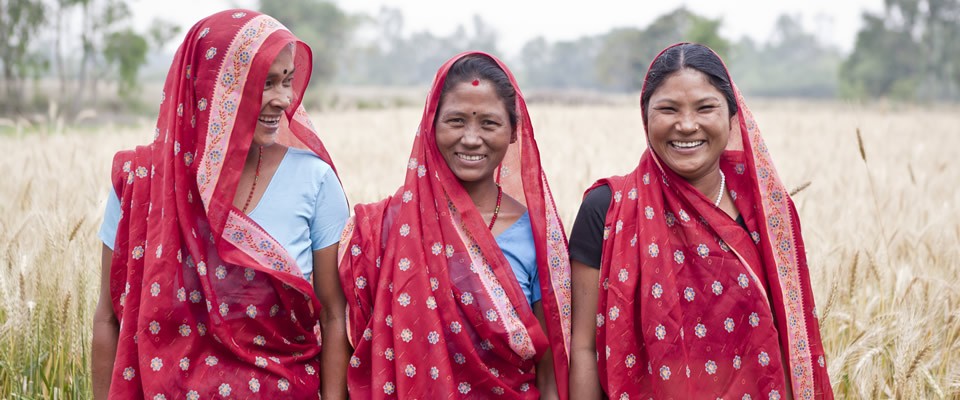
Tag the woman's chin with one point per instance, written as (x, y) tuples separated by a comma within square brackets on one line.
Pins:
[(687, 170), (265, 139), (471, 177)]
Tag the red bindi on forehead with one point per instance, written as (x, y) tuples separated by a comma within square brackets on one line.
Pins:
[(476, 82)]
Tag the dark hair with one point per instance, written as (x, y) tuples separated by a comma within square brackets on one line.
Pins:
[(477, 66), (688, 55)]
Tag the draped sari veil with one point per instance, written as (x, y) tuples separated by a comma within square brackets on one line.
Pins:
[(208, 302), (433, 305), (691, 304)]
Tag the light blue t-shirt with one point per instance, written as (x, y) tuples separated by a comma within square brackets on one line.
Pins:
[(303, 208), (520, 250)]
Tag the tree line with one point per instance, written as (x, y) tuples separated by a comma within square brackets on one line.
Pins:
[(83, 45), (910, 51)]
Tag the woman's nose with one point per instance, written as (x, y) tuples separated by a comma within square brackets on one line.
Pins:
[(471, 135), (282, 99), (687, 124)]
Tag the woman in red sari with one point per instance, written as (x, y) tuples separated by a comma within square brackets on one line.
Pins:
[(690, 278), (202, 294), (458, 285)]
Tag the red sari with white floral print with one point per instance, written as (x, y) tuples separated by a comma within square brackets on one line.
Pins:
[(693, 306), (208, 303), (434, 308)]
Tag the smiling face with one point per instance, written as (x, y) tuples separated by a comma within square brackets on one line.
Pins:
[(473, 131), (688, 123), (277, 95)]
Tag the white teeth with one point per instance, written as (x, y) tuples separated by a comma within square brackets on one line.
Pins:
[(470, 157), (270, 120), (686, 145)]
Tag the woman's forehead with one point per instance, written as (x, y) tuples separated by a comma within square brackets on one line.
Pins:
[(686, 83)]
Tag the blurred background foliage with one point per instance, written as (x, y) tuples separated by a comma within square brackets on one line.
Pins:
[(71, 58)]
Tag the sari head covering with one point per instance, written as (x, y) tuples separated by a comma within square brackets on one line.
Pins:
[(434, 308), (208, 302), (685, 306)]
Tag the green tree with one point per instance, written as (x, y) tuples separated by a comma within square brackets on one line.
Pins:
[(574, 63), (81, 76), (127, 51), (534, 58), (395, 58), (20, 21), (623, 54), (562, 65), (884, 62), (706, 31), (626, 53), (103, 48), (320, 24), (911, 51), (162, 32), (620, 59), (793, 63)]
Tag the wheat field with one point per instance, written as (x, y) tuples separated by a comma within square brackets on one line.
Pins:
[(880, 219)]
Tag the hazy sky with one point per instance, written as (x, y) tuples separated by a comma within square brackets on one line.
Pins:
[(516, 21)]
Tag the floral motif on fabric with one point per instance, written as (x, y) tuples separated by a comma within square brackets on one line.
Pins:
[(220, 120)]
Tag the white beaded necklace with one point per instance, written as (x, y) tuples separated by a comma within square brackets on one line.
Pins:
[(723, 184)]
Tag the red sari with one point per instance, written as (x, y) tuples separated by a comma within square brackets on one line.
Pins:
[(434, 308), (208, 303), (693, 306)]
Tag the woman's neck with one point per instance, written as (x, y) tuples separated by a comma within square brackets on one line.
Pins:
[(708, 184), (711, 185), (253, 156), (484, 194), (272, 155)]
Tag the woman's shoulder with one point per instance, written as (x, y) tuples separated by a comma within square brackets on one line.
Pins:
[(305, 156), (519, 218), (600, 194), (306, 161), (382, 211)]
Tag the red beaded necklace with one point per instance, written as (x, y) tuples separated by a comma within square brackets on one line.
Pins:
[(257, 175), (496, 210)]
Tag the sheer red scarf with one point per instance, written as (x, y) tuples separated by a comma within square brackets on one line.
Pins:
[(684, 307), (209, 304), (433, 305)]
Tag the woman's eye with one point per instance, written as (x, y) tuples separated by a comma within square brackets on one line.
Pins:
[(491, 123), (288, 82), (666, 109), (455, 121), (708, 108)]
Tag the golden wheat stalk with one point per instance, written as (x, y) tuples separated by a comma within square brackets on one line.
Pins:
[(800, 188)]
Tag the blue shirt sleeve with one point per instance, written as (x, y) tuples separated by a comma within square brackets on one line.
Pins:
[(330, 213), (111, 219)]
